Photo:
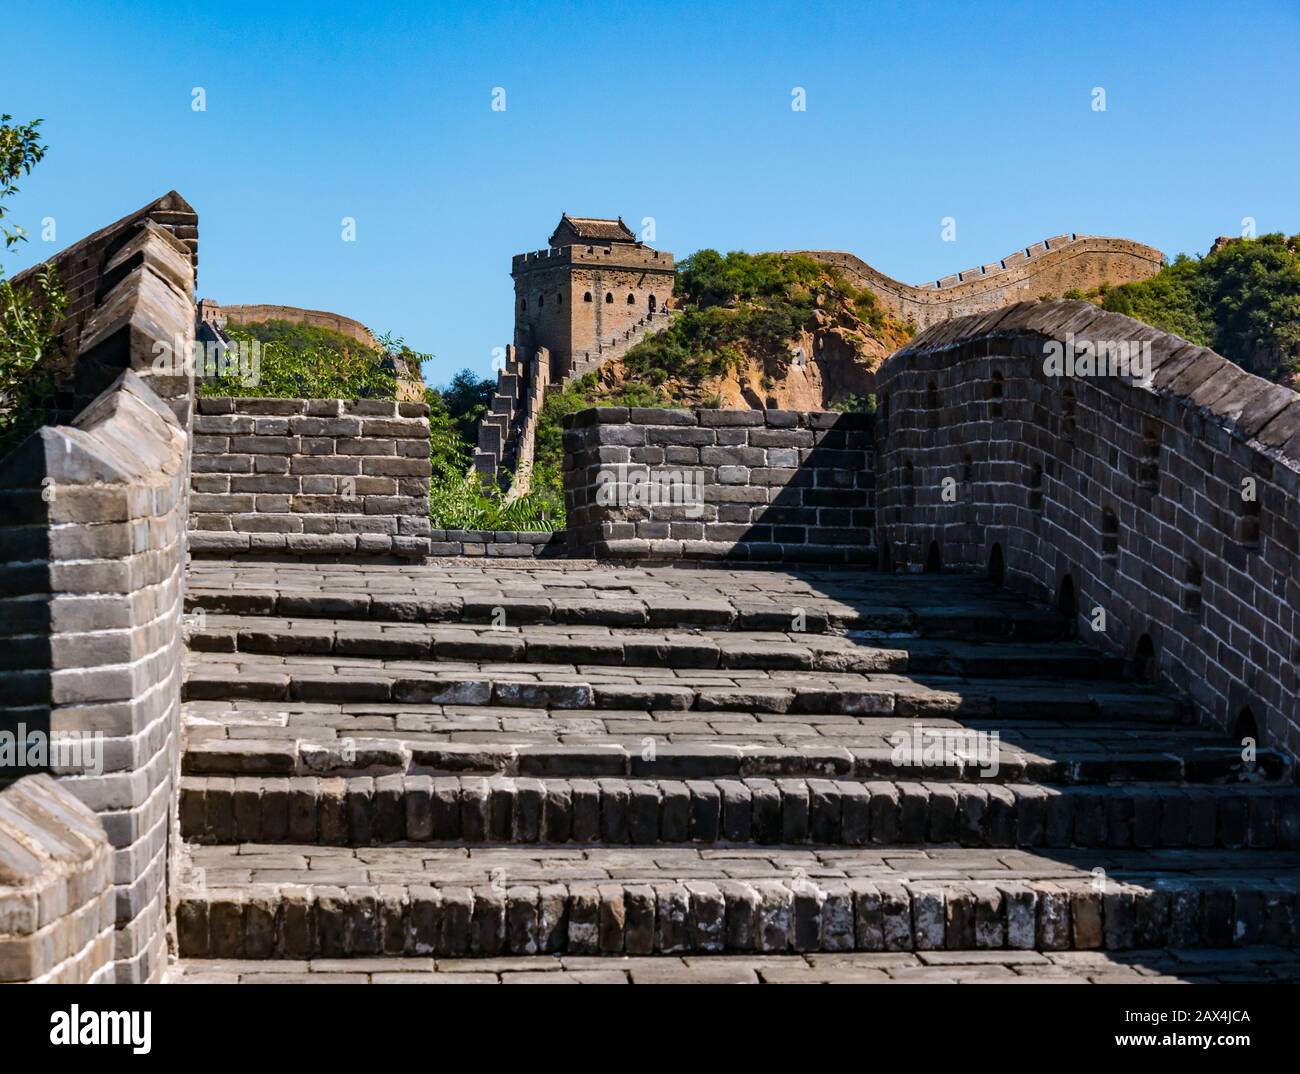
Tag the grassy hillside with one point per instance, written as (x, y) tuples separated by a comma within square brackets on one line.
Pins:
[(1242, 299), (305, 362)]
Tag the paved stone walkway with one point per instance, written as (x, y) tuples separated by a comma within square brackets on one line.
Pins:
[(232, 866), (421, 770), (576, 591), (1156, 966)]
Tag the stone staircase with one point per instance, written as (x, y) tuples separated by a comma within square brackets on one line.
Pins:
[(506, 432), (694, 773), (618, 345)]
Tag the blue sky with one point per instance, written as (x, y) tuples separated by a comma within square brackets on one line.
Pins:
[(676, 111)]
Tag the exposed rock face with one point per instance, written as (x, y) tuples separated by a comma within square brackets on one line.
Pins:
[(822, 366), (825, 367)]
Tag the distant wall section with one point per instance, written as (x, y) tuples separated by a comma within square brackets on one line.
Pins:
[(1051, 267), (221, 315)]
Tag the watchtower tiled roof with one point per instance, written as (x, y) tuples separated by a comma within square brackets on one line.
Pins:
[(573, 229)]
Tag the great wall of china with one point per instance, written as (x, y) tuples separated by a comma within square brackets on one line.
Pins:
[(1052, 267), (575, 342), (221, 314), (291, 724)]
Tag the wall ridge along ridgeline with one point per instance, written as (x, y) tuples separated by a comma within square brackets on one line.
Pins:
[(244, 313), (1169, 503), (1053, 266)]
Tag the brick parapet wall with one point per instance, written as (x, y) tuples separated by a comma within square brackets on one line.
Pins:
[(104, 266), (1131, 489), (92, 553), (56, 887), (315, 477), (92, 537), (607, 255), (506, 432), (773, 485), (496, 544)]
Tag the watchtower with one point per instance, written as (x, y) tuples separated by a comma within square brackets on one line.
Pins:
[(593, 282)]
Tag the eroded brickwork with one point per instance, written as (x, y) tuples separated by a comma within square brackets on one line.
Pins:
[(1106, 493)]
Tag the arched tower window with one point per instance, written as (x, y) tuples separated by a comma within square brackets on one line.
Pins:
[(559, 299), (609, 297), (586, 296), (523, 303), (650, 302)]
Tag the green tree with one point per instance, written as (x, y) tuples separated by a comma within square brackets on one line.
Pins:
[(1242, 299), (466, 399), (29, 317), (20, 152)]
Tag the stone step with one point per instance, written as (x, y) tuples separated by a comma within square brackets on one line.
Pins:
[(1195, 965), (1055, 747), (262, 677), (555, 596), (628, 646), (260, 901), (397, 808), (266, 743)]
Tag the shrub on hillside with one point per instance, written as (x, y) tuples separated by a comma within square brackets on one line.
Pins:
[(741, 305), (458, 500), (297, 361), (29, 318), (1242, 299)]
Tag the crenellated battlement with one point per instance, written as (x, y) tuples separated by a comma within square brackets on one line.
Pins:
[(619, 255)]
